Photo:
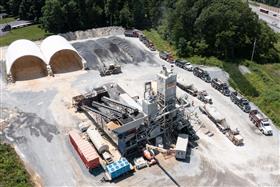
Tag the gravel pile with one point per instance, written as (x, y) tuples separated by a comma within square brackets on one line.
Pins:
[(105, 51), (93, 33)]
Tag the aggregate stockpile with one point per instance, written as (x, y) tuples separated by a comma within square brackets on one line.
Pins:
[(215, 116), (93, 33), (84, 149)]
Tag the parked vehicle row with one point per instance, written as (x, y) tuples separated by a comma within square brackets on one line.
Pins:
[(255, 116), (147, 42)]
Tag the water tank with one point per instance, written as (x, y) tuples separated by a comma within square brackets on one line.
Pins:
[(97, 140)]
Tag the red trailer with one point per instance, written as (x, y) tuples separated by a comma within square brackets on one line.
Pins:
[(84, 149)]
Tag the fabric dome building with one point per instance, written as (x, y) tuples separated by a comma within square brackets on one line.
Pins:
[(61, 55), (24, 61)]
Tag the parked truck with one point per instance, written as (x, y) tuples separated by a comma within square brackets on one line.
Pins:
[(261, 122), (184, 64), (132, 33), (204, 75), (220, 86), (240, 101), (166, 56)]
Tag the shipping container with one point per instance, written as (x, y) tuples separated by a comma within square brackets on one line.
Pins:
[(118, 168), (84, 149)]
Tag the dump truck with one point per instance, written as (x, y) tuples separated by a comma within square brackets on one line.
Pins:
[(204, 97), (204, 75), (215, 116), (220, 86), (243, 103), (190, 89), (184, 64), (132, 33), (109, 70), (261, 122), (166, 56)]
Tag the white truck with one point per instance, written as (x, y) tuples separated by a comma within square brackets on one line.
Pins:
[(261, 122)]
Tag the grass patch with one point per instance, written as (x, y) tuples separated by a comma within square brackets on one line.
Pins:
[(12, 171), (33, 32), (7, 20), (159, 42), (261, 86)]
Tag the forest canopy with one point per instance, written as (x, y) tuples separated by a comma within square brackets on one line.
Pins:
[(227, 29)]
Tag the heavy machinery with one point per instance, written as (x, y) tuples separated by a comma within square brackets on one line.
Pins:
[(184, 64), (109, 70), (220, 86), (215, 116), (204, 75), (166, 56), (240, 101), (261, 122), (204, 97)]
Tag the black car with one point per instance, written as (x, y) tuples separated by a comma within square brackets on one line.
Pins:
[(6, 28)]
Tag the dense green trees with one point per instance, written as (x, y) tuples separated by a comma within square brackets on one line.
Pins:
[(270, 2), (223, 28)]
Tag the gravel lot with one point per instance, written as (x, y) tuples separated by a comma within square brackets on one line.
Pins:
[(39, 115)]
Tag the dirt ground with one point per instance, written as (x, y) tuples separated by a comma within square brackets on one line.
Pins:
[(39, 115)]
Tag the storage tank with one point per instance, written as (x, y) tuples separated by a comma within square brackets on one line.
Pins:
[(97, 140), (84, 149), (118, 168)]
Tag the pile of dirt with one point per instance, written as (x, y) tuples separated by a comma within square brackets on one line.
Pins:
[(93, 33), (105, 51)]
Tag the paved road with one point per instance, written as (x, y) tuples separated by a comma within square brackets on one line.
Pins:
[(13, 23), (272, 21)]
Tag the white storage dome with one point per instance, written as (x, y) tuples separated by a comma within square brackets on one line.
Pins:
[(61, 55), (25, 61)]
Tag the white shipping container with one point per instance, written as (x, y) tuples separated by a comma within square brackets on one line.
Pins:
[(181, 146)]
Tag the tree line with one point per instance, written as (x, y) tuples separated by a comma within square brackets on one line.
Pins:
[(224, 28), (275, 3)]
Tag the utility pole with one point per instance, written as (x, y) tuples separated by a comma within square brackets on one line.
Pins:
[(254, 47)]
